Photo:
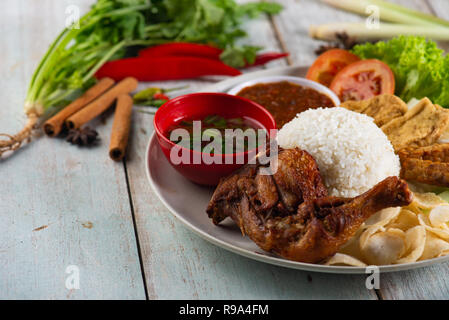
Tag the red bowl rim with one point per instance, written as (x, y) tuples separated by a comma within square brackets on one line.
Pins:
[(167, 104)]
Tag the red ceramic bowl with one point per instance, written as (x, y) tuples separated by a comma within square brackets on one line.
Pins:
[(198, 106)]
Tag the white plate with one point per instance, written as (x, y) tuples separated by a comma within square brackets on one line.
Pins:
[(298, 80), (188, 201)]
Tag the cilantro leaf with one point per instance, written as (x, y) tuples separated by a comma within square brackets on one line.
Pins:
[(112, 28), (238, 57)]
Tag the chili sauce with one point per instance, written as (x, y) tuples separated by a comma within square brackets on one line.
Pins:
[(285, 99)]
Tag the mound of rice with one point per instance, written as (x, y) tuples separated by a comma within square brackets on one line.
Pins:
[(352, 153)]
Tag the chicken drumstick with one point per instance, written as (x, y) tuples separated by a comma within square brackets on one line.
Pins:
[(289, 212)]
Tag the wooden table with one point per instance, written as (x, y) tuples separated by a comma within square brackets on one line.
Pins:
[(64, 206)]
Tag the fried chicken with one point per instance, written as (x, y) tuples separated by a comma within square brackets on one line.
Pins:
[(428, 165), (289, 213), (297, 179)]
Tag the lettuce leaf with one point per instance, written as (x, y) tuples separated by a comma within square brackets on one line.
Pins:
[(421, 69)]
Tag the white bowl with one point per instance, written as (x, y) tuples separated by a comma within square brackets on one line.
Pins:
[(298, 80)]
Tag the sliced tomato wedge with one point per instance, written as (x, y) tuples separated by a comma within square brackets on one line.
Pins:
[(362, 80), (328, 64)]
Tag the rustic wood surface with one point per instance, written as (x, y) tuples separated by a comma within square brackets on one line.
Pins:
[(64, 206)]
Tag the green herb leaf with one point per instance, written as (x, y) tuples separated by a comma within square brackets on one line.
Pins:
[(238, 57), (113, 26)]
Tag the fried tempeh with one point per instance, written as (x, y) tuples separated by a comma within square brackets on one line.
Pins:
[(382, 108), (436, 153), (419, 127), (425, 171), (428, 165)]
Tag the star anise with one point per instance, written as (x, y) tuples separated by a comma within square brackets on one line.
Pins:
[(83, 136), (323, 48), (343, 42)]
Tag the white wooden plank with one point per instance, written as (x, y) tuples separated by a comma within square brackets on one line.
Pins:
[(260, 33), (440, 8), (293, 25), (60, 205)]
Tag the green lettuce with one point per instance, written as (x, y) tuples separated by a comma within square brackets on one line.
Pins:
[(420, 68)]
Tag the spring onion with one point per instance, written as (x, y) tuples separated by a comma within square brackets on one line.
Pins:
[(389, 12), (359, 31), (400, 20)]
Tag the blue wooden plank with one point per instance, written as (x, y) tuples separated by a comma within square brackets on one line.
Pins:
[(60, 205)]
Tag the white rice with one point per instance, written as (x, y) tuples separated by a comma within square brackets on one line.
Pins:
[(352, 153)]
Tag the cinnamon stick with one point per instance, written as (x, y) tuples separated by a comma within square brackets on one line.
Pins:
[(102, 103), (120, 127), (53, 126)]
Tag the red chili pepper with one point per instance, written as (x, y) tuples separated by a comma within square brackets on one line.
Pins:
[(182, 49), (201, 50), (267, 57), (164, 68), (160, 96)]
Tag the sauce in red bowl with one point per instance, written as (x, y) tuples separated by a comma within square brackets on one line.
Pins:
[(194, 164)]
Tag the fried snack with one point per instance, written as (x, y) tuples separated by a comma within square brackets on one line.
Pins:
[(417, 232), (439, 216), (382, 108), (415, 240), (434, 247), (419, 127), (435, 153), (425, 171), (384, 247), (428, 165), (442, 230), (340, 259)]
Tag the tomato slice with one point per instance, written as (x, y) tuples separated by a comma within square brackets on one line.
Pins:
[(362, 80), (328, 64)]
